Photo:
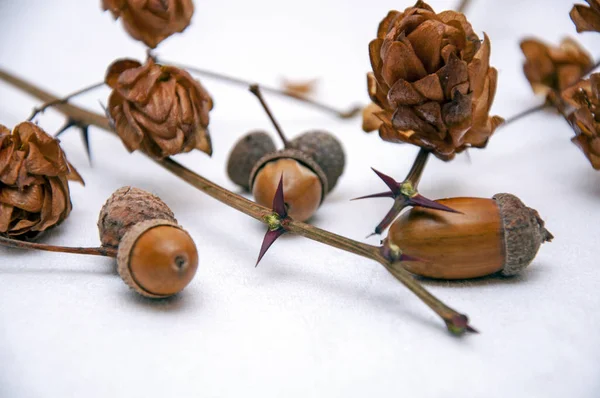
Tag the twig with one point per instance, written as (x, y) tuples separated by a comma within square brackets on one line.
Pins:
[(92, 251), (347, 114), (456, 322), (63, 100)]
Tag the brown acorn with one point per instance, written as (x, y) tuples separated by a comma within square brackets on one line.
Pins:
[(244, 155), (498, 235), (305, 183), (155, 256), (311, 165), (324, 149)]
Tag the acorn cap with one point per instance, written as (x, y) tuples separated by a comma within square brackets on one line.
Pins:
[(244, 155), (524, 233), (324, 149), (126, 248), (126, 207), (297, 155)]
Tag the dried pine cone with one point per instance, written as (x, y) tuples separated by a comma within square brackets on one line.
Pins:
[(550, 68), (151, 21), (34, 193), (159, 109), (586, 19), (585, 97), (432, 80)]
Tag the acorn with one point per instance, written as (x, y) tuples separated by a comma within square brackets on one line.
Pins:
[(312, 164), (155, 256), (244, 155), (498, 235), (305, 183), (325, 150)]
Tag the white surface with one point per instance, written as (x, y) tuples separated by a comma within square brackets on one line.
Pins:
[(310, 320)]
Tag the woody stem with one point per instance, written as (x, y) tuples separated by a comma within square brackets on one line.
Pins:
[(414, 175), (63, 100), (343, 114), (254, 89), (92, 251), (250, 208), (463, 5)]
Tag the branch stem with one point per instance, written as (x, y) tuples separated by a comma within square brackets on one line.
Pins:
[(416, 171), (254, 89), (342, 114), (463, 5), (63, 100), (92, 251), (255, 210)]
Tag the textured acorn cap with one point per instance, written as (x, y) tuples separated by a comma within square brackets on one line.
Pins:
[(244, 155), (324, 149), (125, 251), (126, 207), (297, 155), (524, 233)]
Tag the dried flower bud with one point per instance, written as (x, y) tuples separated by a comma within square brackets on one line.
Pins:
[(151, 21), (432, 79), (586, 19), (550, 68), (159, 109), (34, 193), (585, 97)]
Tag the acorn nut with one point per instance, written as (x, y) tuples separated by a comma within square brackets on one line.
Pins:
[(244, 155), (305, 183), (492, 235), (155, 256)]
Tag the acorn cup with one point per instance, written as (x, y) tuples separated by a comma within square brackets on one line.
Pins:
[(312, 164), (489, 236), (155, 256)]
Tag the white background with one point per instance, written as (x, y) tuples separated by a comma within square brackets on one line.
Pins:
[(310, 320)]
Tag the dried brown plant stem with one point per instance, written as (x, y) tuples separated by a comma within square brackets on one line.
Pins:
[(254, 89), (92, 251), (455, 321), (414, 175), (463, 5), (342, 114), (63, 100)]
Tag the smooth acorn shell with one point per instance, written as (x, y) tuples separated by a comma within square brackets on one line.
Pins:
[(484, 240), (157, 258), (324, 149), (244, 155), (302, 188)]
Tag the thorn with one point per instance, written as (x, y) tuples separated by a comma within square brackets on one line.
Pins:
[(472, 329), (420, 200), (268, 240), (399, 204), (392, 184), (371, 234), (278, 200), (84, 132), (459, 324), (376, 195)]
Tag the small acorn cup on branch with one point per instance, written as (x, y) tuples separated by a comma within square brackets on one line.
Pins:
[(488, 236), (155, 256), (312, 163)]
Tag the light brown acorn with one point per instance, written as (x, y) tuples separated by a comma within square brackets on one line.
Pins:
[(155, 256), (498, 235), (311, 164)]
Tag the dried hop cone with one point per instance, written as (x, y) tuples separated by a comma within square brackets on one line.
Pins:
[(550, 69), (585, 97), (34, 193), (159, 109), (586, 19), (431, 81), (151, 21)]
